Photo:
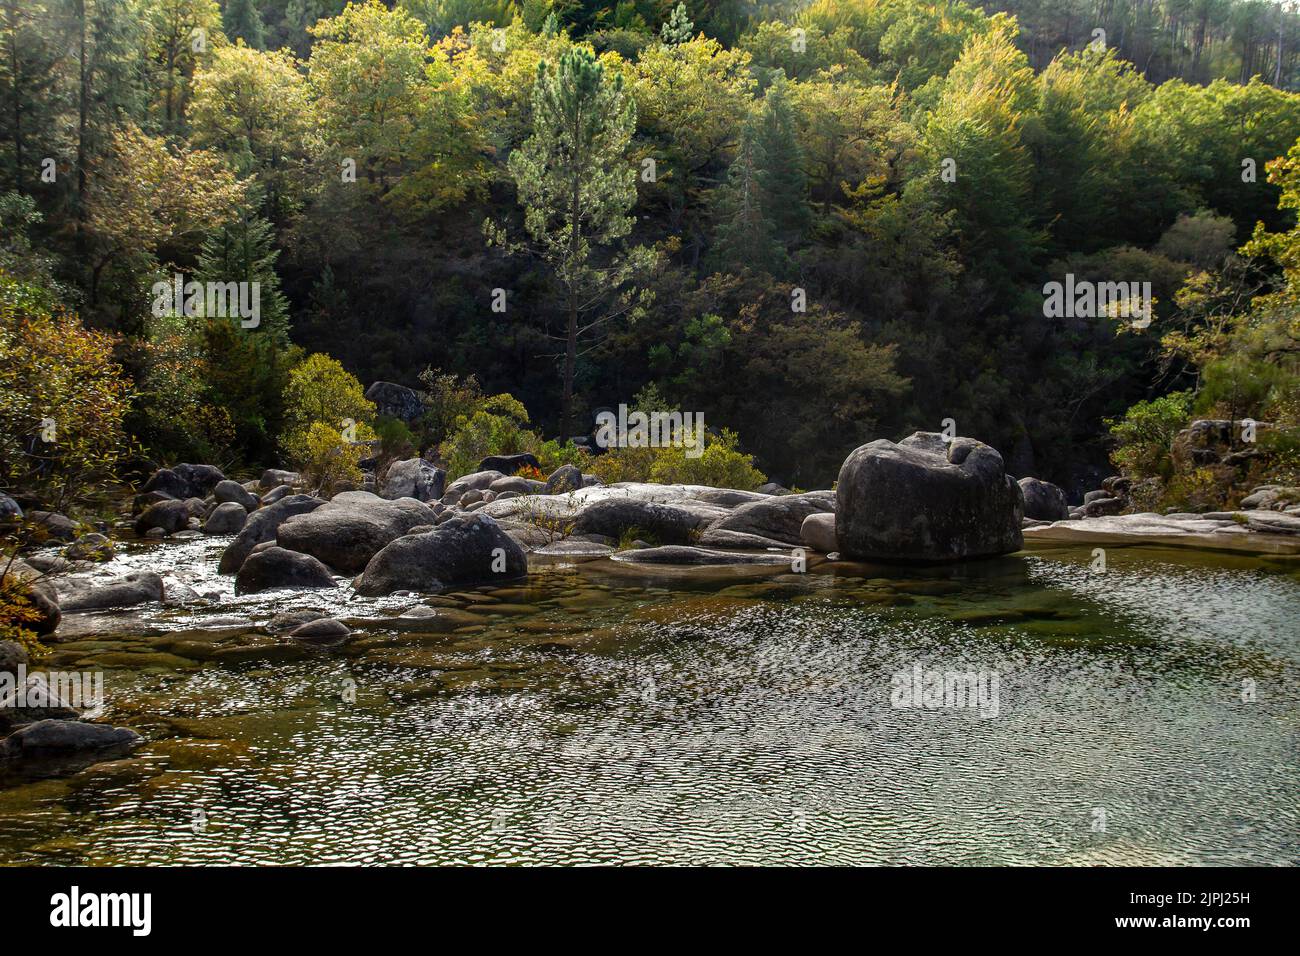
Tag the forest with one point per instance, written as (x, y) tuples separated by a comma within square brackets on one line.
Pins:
[(815, 224)]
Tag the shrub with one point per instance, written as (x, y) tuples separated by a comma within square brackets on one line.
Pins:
[(722, 465), (1143, 436), (326, 458), (322, 392), (17, 613), (63, 398), (448, 397)]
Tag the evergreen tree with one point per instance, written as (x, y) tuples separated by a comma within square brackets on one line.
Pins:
[(243, 251), (781, 172), (679, 28), (577, 188), (746, 236), (243, 20)]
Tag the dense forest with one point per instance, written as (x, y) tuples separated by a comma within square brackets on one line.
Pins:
[(815, 224)]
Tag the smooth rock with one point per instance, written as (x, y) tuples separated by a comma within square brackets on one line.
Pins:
[(274, 477), (351, 528), (60, 737), (232, 491), (564, 479), (138, 587), (1044, 501), (927, 499), (414, 478), (229, 517), (262, 526), (464, 550), (280, 568), (818, 533), (778, 517), (683, 554), (171, 515)]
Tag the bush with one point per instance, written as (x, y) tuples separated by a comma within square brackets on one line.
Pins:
[(722, 465), (327, 459), (499, 427), (448, 397), (1144, 435), (17, 613), (322, 392), (63, 399)]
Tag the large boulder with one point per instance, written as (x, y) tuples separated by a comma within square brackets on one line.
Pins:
[(927, 498), (171, 516), (229, 517), (612, 517), (509, 464), (262, 525), (276, 567), (351, 528), (414, 478), (395, 401), (10, 511), (55, 738), (778, 517), (564, 479), (1044, 501), (50, 525), (466, 549), (138, 587), (228, 490)]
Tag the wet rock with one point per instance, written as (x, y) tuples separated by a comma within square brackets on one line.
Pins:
[(509, 464), (62, 737), (262, 526), (464, 550), (138, 587), (322, 632), (818, 533), (35, 700), (177, 595), (779, 517), (232, 491), (169, 516), (414, 478), (229, 517), (352, 528), (280, 568), (1044, 501), (927, 499), (564, 479), (287, 621), (682, 554), (575, 548), (90, 547)]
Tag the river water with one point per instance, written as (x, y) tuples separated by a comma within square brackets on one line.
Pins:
[(1144, 714)]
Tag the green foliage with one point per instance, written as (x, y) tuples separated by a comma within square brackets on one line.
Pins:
[(321, 392), (1144, 435), (678, 27), (63, 398), (325, 457), (18, 613)]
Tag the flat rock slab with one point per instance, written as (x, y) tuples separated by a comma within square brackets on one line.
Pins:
[(1211, 533), (684, 554)]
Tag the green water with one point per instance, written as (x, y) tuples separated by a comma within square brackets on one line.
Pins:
[(599, 714)]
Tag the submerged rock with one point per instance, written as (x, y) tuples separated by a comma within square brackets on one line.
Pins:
[(927, 499), (322, 632), (61, 737), (277, 567), (464, 550), (682, 554)]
